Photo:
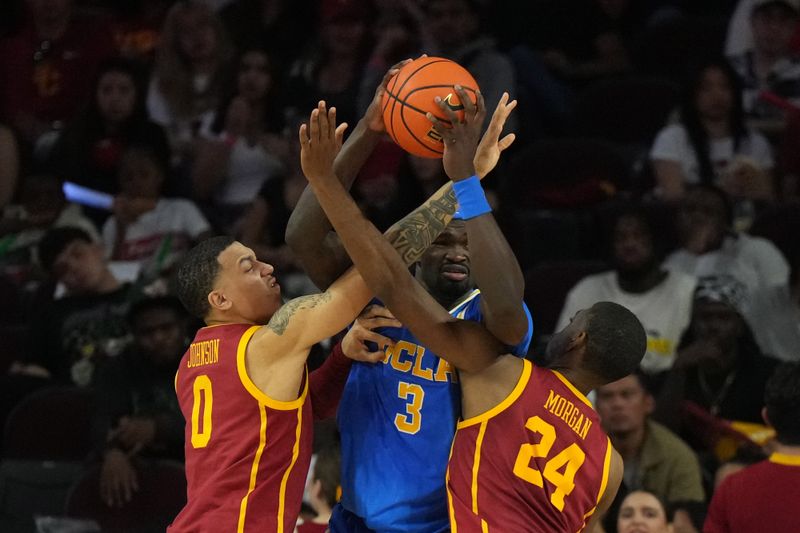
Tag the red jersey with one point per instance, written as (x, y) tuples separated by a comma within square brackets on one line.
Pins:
[(537, 462), (762, 497), (247, 455)]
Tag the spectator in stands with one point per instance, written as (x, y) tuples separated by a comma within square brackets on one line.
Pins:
[(770, 65), (46, 68), (146, 227), (137, 412), (774, 314), (660, 299), (764, 497), (243, 150), (711, 144), (332, 70), (9, 170), (710, 247), (280, 26), (89, 150), (75, 333), (656, 460), (324, 490), (642, 511), (189, 73), (42, 207), (719, 372)]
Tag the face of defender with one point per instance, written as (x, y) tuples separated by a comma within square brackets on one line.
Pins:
[(249, 284)]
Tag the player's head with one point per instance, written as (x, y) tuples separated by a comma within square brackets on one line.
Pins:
[(641, 512), (74, 259), (444, 268), (325, 484), (632, 241), (606, 341), (159, 328), (220, 280), (624, 405), (782, 403)]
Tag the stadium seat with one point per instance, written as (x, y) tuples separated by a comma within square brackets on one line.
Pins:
[(51, 424), (161, 496)]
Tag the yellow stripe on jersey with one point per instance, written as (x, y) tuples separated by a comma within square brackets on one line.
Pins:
[(467, 298), (785, 459), (502, 406), (176, 381), (603, 481), (262, 441), (255, 392), (484, 526), (571, 387), (450, 509), (476, 464), (295, 454)]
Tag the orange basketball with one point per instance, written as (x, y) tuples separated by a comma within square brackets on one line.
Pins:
[(410, 95)]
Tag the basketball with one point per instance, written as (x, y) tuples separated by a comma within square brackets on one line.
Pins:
[(410, 95)]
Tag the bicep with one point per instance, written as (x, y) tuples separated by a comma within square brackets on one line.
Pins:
[(615, 471)]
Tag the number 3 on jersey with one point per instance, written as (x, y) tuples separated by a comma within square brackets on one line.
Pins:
[(410, 421), (570, 459), (202, 396)]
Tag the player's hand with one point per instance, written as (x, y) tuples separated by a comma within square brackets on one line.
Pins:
[(354, 343), (135, 433), (118, 479), (460, 138), (320, 141), (374, 115), (491, 145)]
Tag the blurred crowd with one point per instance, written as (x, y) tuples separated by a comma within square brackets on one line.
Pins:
[(657, 165)]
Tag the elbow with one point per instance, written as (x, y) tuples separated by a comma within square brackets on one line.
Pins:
[(509, 326), (292, 235)]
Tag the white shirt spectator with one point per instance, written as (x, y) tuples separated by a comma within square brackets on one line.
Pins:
[(775, 320), (249, 167), (176, 218), (664, 311), (672, 144), (754, 261)]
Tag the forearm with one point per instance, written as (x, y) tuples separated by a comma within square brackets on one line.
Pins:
[(308, 230), (499, 277), (413, 234), (326, 384)]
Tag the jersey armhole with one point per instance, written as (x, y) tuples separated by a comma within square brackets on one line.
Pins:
[(255, 392), (516, 392)]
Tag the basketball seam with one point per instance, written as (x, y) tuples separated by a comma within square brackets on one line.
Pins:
[(394, 103), (413, 135)]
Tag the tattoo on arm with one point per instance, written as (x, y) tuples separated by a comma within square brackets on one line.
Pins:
[(280, 320), (412, 235)]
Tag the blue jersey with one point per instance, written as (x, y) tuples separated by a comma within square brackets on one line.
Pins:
[(397, 421)]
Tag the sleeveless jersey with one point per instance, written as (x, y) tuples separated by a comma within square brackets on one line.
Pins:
[(537, 462), (396, 421), (247, 455)]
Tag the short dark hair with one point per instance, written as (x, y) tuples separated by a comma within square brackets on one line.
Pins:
[(616, 341), (327, 470), (197, 273), (56, 241), (722, 196), (782, 399), (145, 305)]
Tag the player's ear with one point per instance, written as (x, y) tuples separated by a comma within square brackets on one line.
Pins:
[(217, 300), (765, 417)]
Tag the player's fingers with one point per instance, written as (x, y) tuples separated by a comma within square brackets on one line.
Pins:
[(332, 123), (441, 128), (506, 141), (374, 310), (324, 133), (469, 108), (480, 107), (377, 338), (313, 124), (339, 134), (372, 357), (448, 113), (303, 134)]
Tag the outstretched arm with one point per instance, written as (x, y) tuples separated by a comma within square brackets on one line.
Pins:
[(308, 232), (465, 344), (497, 272)]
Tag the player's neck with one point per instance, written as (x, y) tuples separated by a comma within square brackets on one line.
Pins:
[(221, 320), (629, 444), (582, 381), (785, 449)]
